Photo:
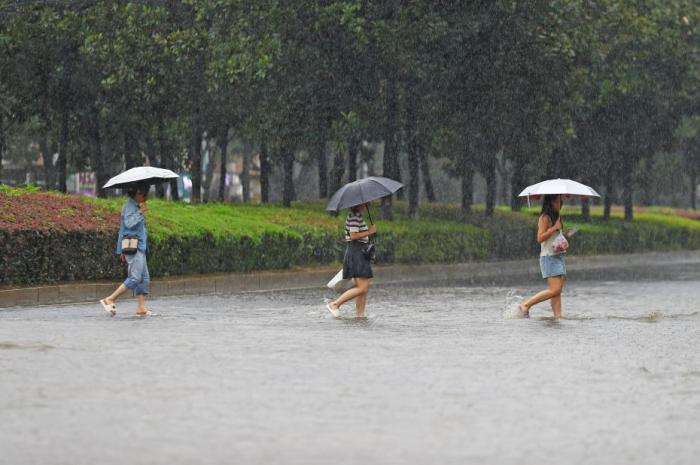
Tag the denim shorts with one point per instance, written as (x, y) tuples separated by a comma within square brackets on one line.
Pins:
[(138, 278), (553, 265)]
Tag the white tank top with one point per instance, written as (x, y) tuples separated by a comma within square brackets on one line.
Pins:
[(547, 247)]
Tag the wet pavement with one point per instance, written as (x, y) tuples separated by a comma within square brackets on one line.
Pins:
[(436, 374)]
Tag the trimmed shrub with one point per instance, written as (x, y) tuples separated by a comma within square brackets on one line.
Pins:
[(47, 237)]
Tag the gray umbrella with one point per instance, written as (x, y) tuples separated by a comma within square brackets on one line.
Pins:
[(362, 191)]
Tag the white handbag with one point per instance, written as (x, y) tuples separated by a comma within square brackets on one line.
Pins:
[(340, 285), (130, 245)]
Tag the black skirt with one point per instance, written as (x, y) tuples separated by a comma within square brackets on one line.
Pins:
[(355, 264)]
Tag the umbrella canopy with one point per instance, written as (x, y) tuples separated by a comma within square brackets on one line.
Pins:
[(362, 191), (143, 174), (565, 187)]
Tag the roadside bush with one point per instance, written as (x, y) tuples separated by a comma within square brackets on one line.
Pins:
[(47, 237), (31, 257)]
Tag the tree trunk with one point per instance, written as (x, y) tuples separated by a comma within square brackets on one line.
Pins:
[(586, 210), (288, 175), (628, 193), (391, 144), (388, 207), (425, 171), (53, 149), (321, 161), (467, 174), (196, 160), (608, 200), (62, 162), (504, 177), (131, 150), (223, 149), (413, 148), (101, 174), (264, 174), (245, 172), (400, 194), (647, 175), (2, 142), (209, 174), (517, 182), (47, 160), (154, 159), (167, 158), (353, 146), (693, 188), (414, 178), (491, 185), (337, 171)]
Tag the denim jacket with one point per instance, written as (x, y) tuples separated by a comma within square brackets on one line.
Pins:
[(132, 224)]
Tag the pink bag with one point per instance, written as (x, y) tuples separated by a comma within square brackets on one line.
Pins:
[(560, 244)]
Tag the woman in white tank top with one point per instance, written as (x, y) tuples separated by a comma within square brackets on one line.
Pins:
[(553, 246)]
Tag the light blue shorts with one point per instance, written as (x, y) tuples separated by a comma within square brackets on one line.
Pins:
[(138, 278), (553, 265)]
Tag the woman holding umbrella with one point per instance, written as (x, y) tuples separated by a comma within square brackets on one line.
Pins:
[(356, 262), (132, 241), (131, 247), (552, 239), (358, 251)]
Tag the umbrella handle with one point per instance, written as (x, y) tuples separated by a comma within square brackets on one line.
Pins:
[(372, 240)]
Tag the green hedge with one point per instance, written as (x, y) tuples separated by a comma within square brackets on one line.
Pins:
[(33, 257), (232, 237)]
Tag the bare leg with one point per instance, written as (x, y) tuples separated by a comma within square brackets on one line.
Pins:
[(361, 288), (556, 306), (116, 294), (556, 300), (554, 290), (141, 306), (360, 303)]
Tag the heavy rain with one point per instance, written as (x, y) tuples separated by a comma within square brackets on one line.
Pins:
[(349, 231)]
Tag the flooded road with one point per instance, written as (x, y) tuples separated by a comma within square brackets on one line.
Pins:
[(436, 374)]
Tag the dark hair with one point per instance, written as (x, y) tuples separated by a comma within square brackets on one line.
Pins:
[(136, 187), (548, 208), (357, 209)]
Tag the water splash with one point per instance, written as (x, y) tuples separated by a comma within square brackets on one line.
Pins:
[(510, 306)]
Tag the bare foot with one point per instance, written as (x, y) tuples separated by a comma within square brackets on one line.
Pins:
[(524, 311), (333, 308)]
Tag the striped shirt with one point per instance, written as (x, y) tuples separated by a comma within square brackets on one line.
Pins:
[(355, 223)]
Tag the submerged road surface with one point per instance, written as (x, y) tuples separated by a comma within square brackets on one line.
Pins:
[(436, 374)]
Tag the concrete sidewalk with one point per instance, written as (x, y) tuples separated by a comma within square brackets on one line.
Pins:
[(469, 273)]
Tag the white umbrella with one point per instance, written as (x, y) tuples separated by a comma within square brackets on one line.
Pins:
[(565, 187), (144, 174)]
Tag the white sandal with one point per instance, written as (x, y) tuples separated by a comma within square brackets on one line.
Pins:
[(111, 309), (334, 311)]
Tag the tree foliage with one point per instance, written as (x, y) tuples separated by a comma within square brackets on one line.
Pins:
[(552, 88)]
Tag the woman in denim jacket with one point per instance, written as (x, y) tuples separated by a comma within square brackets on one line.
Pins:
[(133, 224)]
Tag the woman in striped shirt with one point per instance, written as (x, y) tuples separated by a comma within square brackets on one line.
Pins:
[(355, 263)]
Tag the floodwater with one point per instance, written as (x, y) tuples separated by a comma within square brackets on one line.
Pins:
[(436, 374)]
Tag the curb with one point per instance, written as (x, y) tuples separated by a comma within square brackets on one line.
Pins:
[(232, 283)]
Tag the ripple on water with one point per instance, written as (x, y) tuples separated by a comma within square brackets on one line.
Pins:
[(31, 346)]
